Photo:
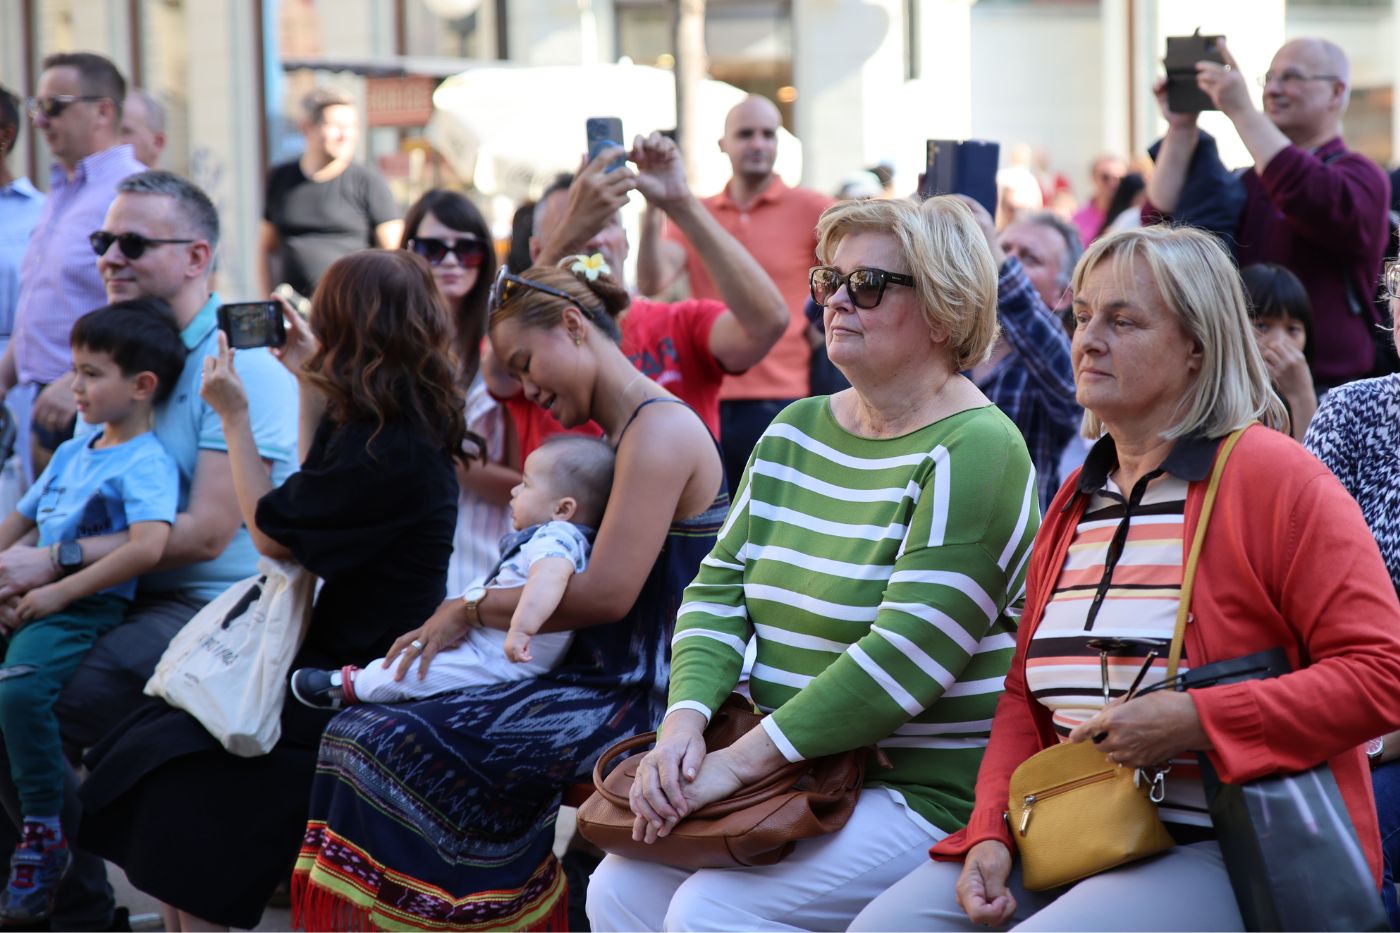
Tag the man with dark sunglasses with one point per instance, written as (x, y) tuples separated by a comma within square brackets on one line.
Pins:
[(159, 240), (78, 110)]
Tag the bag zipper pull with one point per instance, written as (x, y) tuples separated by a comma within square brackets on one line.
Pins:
[(1026, 813)]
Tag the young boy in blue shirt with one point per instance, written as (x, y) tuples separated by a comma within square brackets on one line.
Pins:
[(126, 357)]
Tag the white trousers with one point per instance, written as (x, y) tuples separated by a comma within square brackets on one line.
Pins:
[(822, 885), (481, 659), (1184, 888)]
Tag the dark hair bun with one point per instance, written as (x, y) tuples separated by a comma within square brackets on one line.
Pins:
[(608, 289)]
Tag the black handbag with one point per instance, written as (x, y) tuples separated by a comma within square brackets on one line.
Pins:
[(1289, 845)]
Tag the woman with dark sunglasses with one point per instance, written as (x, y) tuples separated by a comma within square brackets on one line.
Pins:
[(875, 554), (448, 232), (462, 813)]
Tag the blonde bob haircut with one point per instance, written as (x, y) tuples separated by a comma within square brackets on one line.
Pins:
[(955, 279), (1199, 284)]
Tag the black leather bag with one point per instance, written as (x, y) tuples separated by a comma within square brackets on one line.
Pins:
[(1289, 844)]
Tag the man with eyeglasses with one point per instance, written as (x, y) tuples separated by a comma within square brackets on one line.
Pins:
[(159, 239), (1308, 203), (79, 112)]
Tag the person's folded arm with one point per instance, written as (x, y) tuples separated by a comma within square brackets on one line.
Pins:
[(133, 557), (202, 531), (1336, 600)]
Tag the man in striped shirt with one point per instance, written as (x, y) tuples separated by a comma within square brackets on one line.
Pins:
[(79, 111)]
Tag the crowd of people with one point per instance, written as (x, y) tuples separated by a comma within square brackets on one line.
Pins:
[(896, 469)]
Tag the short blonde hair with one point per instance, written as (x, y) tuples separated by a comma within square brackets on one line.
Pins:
[(1199, 284), (955, 278)]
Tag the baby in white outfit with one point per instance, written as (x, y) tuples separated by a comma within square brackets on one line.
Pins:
[(555, 508)]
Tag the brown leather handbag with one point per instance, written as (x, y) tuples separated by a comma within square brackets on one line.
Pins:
[(757, 826)]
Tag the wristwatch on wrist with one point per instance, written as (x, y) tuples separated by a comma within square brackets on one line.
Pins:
[(70, 558), (1374, 749), (472, 597)]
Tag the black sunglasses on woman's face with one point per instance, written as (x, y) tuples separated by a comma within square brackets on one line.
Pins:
[(865, 286), (470, 251)]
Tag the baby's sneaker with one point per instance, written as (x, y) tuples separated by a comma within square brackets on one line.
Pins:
[(323, 689), (38, 865)]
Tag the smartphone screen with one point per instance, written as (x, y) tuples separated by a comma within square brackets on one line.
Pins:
[(604, 133), (251, 324)]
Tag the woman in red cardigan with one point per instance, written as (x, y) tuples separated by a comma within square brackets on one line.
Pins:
[(1165, 368)]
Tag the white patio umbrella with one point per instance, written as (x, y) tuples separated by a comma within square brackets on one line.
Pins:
[(512, 129)]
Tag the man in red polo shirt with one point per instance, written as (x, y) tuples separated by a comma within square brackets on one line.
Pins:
[(777, 225)]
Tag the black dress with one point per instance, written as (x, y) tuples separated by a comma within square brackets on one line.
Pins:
[(213, 834)]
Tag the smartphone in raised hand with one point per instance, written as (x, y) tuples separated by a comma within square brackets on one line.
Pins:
[(251, 324), (1183, 52), (962, 166), (604, 133)]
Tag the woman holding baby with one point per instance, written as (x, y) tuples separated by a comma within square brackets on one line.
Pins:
[(439, 813)]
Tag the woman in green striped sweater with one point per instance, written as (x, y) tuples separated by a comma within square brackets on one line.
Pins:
[(876, 548)]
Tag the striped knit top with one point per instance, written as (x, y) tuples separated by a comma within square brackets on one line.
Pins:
[(881, 579), (1127, 556)]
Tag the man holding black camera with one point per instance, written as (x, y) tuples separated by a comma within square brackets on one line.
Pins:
[(1308, 203)]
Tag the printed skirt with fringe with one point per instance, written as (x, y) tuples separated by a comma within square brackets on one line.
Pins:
[(439, 814)]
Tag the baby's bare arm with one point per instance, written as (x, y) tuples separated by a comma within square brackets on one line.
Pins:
[(543, 590)]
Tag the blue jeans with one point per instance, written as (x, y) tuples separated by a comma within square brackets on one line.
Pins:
[(1385, 782)]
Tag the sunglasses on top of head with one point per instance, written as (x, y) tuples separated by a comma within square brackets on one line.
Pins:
[(505, 279), (470, 251), (865, 286), (133, 245)]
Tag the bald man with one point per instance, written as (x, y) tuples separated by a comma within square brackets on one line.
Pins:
[(1308, 203), (777, 225), (143, 126)]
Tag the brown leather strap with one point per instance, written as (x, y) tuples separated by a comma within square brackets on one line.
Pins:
[(613, 753), (1188, 577)]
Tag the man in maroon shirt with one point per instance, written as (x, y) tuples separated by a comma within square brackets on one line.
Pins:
[(1310, 204)]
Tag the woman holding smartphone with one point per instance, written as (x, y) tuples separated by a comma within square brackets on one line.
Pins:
[(371, 513)]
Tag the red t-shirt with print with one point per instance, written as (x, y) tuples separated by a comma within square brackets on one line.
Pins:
[(670, 343)]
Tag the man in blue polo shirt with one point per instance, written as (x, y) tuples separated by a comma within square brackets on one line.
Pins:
[(159, 239)]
